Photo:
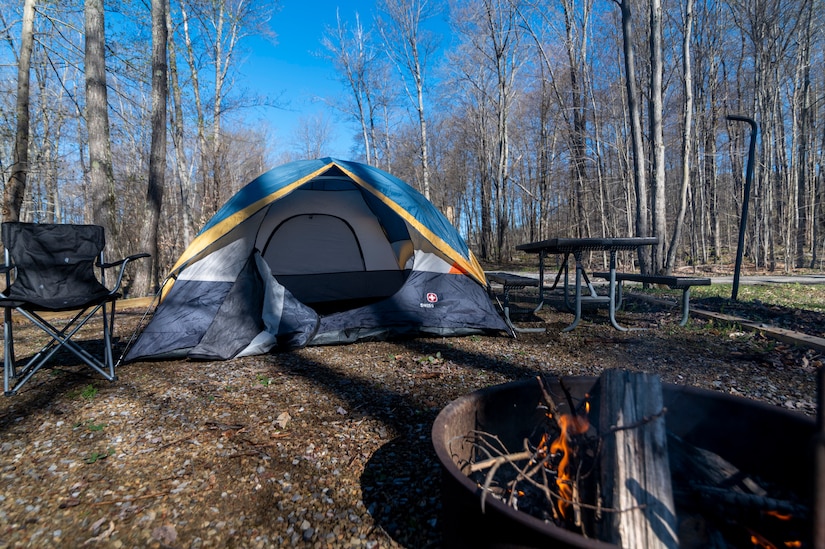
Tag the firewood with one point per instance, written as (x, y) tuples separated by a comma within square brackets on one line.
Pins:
[(692, 465), (635, 467)]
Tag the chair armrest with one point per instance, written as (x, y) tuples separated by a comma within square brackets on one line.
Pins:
[(123, 261)]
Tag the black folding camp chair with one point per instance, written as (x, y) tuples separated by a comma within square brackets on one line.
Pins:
[(52, 268)]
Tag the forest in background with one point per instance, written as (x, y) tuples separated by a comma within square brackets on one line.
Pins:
[(529, 120)]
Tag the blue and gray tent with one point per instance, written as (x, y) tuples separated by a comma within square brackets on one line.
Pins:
[(318, 252)]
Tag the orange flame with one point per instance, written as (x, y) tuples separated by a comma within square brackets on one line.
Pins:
[(778, 515), (760, 541), (570, 425)]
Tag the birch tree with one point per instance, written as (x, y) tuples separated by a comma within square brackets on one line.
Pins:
[(410, 47), (16, 185), (657, 139), (687, 127), (355, 60)]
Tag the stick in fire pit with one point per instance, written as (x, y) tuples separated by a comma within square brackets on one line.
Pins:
[(635, 466)]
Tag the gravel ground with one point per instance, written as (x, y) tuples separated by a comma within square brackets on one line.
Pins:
[(320, 447)]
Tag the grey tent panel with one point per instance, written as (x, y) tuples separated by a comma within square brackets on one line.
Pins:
[(429, 303), (230, 332), (179, 324)]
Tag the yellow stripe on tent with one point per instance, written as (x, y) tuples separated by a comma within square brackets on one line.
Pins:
[(207, 238), (470, 267)]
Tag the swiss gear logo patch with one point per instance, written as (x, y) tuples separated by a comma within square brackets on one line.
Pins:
[(432, 299)]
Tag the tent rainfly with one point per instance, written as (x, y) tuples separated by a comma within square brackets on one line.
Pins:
[(318, 252)]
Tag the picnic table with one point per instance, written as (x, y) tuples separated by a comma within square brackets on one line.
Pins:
[(576, 247)]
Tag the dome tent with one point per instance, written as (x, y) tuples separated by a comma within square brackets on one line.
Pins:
[(318, 252)]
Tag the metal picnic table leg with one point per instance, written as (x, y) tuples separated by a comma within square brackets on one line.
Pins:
[(542, 255), (685, 306), (578, 306), (612, 293)]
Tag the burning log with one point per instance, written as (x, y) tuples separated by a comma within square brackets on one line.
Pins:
[(635, 469)]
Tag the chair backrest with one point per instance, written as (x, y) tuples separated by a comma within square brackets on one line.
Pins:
[(53, 260)]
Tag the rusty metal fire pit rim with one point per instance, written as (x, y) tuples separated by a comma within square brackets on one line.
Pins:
[(440, 440)]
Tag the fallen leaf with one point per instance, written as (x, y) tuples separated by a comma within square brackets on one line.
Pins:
[(283, 419), (69, 502), (108, 532), (165, 534)]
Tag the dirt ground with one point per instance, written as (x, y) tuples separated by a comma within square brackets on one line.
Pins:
[(319, 447)]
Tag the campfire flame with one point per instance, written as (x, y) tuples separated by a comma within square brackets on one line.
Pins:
[(778, 515), (570, 425), (762, 542), (759, 541)]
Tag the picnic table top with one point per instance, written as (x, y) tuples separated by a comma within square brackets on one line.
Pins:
[(569, 245)]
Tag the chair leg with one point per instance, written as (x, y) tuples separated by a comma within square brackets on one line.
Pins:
[(60, 338), (8, 350), (108, 329)]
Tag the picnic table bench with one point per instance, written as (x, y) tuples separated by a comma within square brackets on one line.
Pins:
[(508, 282), (576, 247), (684, 283)]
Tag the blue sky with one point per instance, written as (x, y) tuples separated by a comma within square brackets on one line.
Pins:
[(290, 69)]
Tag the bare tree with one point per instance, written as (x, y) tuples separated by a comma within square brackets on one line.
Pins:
[(149, 275), (687, 75), (313, 136), (101, 175), (569, 90), (639, 172), (16, 185), (410, 48), (212, 31), (354, 59), (657, 139), (178, 132)]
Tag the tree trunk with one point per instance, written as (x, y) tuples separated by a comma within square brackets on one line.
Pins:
[(657, 138), (578, 127), (16, 185), (635, 130), (176, 122), (806, 122), (422, 125), (200, 117), (148, 273), (686, 139), (101, 174)]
